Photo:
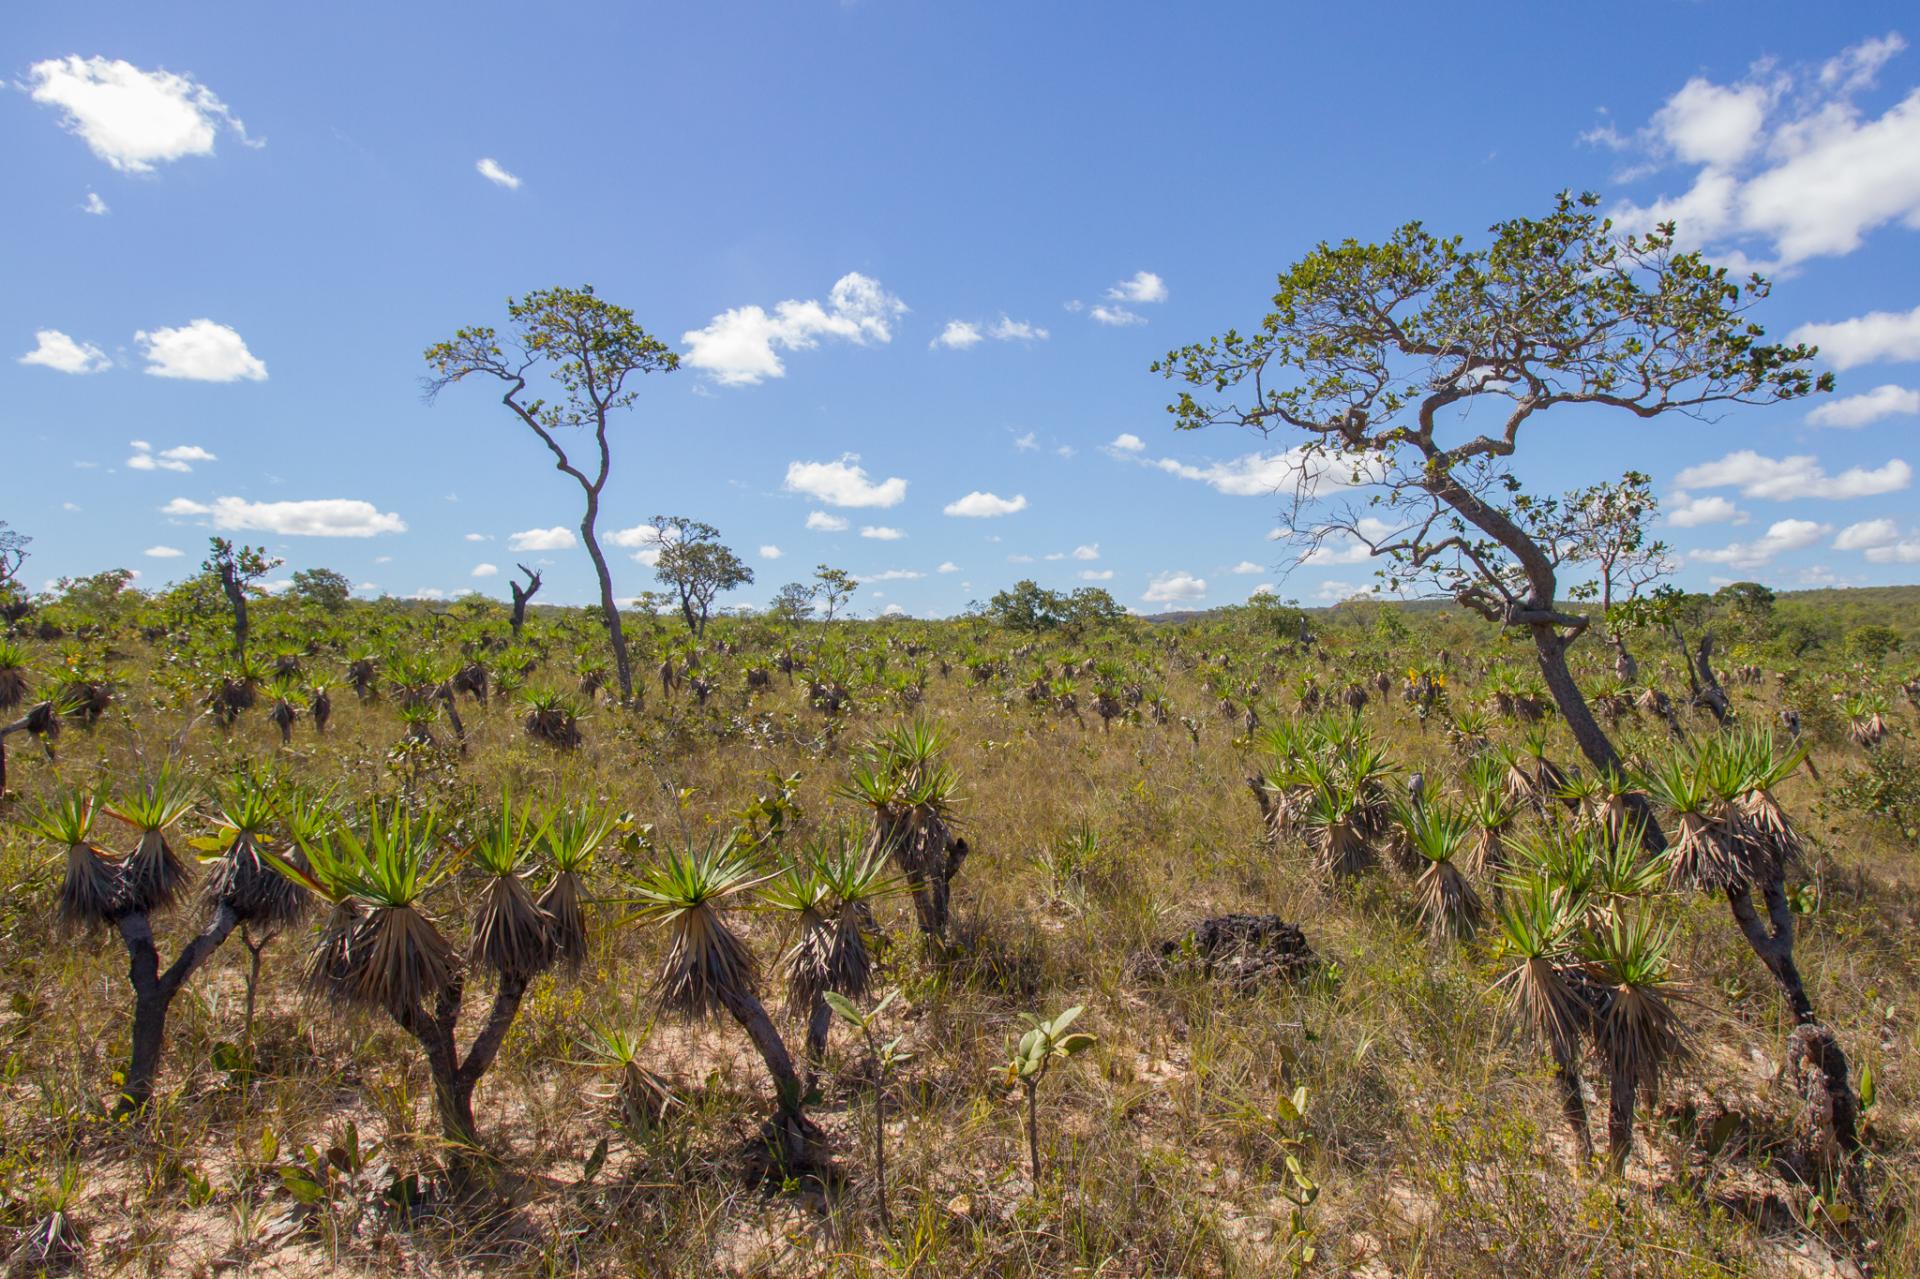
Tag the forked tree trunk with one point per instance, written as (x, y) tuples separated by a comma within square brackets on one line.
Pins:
[(454, 1079), (609, 609), (153, 993)]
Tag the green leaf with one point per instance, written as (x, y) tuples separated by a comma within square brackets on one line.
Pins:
[(1066, 1019), (845, 1007), (1074, 1044), (595, 1161), (1868, 1089)]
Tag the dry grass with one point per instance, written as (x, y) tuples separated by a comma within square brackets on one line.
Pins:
[(1432, 1129)]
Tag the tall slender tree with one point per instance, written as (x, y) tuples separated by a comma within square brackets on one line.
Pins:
[(236, 569), (1408, 371), (588, 352)]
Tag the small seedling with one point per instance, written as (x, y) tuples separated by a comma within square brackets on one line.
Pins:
[(884, 1057), (1044, 1043)]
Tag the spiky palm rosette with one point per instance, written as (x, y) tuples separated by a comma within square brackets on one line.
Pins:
[(91, 891), (155, 874), (397, 960), (329, 968), (13, 674), (512, 935), (1447, 901), (1771, 827), (1635, 1025), (1547, 988), (807, 965), (561, 903), (850, 959), (706, 960), (256, 892)]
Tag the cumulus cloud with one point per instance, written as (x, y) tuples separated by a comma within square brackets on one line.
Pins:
[(1870, 406), (485, 570), (1787, 478), (1684, 510), (489, 168), (978, 505), (130, 118), (179, 458), (1341, 592), (1128, 442), (844, 483), (1175, 588), (1116, 316), (1089, 551), (201, 351), (315, 517), (1245, 566), (1780, 537), (958, 336), (1096, 575), (821, 522), (892, 575), (1787, 158), (1867, 535), (881, 533), (1256, 474), (742, 346), (56, 351), (542, 539), (771, 552), (1142, 286), (1865, 339), (947, 566), (478, 537), (163, 552)]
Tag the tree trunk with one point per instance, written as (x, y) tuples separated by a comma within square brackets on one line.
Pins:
[(819, 1024), (1033, 1133), (1622, 1094), (747, 1009), (153, 993), (1573, 1101), (1551, 647), (1772, 940), (622, 666)]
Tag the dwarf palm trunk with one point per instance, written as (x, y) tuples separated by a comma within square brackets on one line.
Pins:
[(153, 993), (1623, 1093)]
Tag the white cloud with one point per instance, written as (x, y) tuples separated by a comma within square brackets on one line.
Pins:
[(541, 539), (1782, 536), (95, 205), (1869, 406), (1684, 510), (1096, 575), (1027, 443), (478, 537), (1019, 558), (315, 517), (55, 350), (1010, 330), (1341, 592), (638, 535), (485, 570), (1788, 159), (1175, 588), (821, 522), (1707, 123), (958, 336), (771, 552), (1090, 551), (1867, 535), (1877, 335), (1144, 286), (881, 533), (737, 348), (843, 483), (1265, 588), (1905, 551), (489, 168), (1252, 474), (179, 458), (1116, 316), (892, 575), (1065, 450), (978, 505), (427, 593), (201, 351), (893, 610), (1784, 479), (1128, 442), (163, 552), (947, 566), (1245, 566), (130, 118)]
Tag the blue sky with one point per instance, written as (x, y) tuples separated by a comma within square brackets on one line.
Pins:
[(232, 229)]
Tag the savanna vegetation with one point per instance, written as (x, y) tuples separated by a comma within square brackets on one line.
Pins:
[(1562, 924)]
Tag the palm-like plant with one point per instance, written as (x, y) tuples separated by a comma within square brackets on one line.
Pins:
[(243, 877), (909, 789), (153, 875), (13, 673), (283, 698), (512, 936), (572, 838), (1545, 988), (1635, 1025), (708, 968), (90, 891), (829, 888), (1449, 906)]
